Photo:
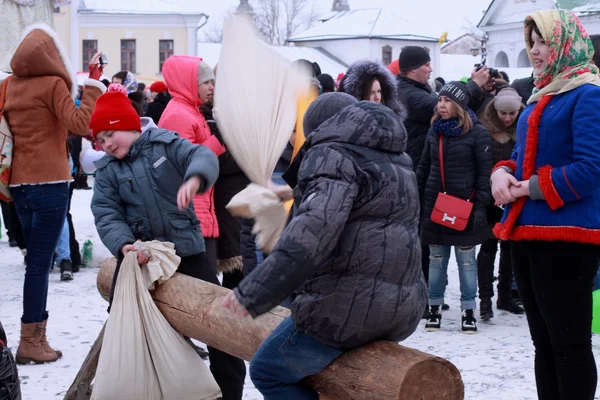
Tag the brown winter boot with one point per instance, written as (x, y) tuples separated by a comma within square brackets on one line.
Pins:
[(44, 341), (30, 349)]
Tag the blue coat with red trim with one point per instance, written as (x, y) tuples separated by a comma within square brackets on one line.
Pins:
[(558, 139)]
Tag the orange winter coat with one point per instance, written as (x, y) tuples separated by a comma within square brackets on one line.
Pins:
[(39, 108), (182, 116)]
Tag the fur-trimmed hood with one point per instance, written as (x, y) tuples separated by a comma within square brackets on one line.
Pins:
[(364, 71), (42, 54), (494, 125)]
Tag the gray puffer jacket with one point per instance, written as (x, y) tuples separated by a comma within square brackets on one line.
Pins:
[(352, 253), (135, 198)]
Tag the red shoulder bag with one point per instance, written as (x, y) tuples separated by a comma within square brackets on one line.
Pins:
[(450, 211)]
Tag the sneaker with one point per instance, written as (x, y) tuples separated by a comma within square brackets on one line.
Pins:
[(13, 243), (426, 313), (485, 309), (469, 323), (517, 297), (445, 307), (66, 270), (435, 319)]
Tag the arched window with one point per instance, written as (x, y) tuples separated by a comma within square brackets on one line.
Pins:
[(523, 60), (386, 55), (501, 60)]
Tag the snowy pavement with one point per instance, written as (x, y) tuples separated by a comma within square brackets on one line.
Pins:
[(495, 363)]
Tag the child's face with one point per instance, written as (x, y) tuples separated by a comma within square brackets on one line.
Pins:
[(117, 143)]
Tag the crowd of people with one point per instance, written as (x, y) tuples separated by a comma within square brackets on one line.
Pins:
[(395, 171)]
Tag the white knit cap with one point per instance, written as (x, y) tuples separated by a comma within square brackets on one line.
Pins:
[(507, 100), (205, 73)]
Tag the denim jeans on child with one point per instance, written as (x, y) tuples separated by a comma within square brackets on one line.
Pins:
[(438, 275), (285, 358), (42, 210), (63, 248)]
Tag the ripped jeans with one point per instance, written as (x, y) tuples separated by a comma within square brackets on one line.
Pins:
[(439, 257)]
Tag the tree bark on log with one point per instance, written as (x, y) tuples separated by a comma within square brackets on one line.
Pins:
[(377, 371)]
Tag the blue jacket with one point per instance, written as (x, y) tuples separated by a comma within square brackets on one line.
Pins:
[(135, 198), (565, 162)]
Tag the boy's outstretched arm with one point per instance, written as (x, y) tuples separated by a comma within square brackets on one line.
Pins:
[(109, 215), (195, 160), (327, 181)]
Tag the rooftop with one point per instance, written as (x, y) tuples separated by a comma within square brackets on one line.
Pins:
[(367, 23), (142, 6)]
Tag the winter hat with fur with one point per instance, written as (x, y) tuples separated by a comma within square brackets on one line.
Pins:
[(323, 108), (205, 72), (458, 92), (114, 112), (413, 57), (158, 87), (507, 99)]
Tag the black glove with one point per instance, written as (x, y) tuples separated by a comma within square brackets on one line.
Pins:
[(479, 220)]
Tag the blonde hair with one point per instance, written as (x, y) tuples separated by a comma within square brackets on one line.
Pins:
[(464, 119)]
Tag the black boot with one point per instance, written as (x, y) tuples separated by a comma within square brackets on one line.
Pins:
[(505, 297), (485, 276), (66, 270), (485, 309)]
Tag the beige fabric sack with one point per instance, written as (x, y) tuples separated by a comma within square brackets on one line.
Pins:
[(256, 114), (143, 357)]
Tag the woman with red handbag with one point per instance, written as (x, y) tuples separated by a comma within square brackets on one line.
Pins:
[(551, 187), (453, 177)]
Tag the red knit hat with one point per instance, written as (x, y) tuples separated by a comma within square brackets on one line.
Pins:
[(114, 112), (158, 87)]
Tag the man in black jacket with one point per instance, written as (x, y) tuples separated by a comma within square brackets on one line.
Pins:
[(420, 102), (524, 87)]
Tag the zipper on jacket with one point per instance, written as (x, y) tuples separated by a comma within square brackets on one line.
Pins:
[(131, 184)]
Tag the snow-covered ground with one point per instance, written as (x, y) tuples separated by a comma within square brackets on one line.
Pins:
[(495, 363)]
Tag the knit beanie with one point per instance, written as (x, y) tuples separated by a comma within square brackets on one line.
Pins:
[(507, 99), (458, 92), (413, 57), (325, 107), (205, 73), (326, 82), (114, 112), (158, 87)]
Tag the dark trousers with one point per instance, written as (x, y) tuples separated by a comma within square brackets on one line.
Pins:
[(485, 269), (228, 371), (12, 224), (42, 210), (73, 243), (555, 280)]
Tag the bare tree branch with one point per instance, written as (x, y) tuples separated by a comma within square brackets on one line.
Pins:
[(278, 20)]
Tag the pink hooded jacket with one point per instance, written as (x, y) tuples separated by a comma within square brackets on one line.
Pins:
[(182, 116)]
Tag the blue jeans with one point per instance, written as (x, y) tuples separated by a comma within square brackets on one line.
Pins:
[(63, 248), (285, 358), (439, 257), (42, 210)]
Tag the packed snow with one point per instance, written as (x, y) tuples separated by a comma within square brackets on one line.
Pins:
[(495, 363)]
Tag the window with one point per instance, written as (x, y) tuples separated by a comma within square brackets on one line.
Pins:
[(56, 10), (90, 47), (128, 55), (165, 50), (386, 55)]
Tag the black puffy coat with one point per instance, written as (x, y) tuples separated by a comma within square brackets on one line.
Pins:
[(364, 72), (352, 251), (467, 168), (157, 107), (524, 87)]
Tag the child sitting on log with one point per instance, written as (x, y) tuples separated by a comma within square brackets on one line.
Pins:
[(143, 190), (352, 252)]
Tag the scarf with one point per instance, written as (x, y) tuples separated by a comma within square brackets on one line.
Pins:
[(450, 127), (570, 62)]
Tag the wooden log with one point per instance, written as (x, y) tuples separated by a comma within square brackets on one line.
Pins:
[(377, 371), (81, 389)]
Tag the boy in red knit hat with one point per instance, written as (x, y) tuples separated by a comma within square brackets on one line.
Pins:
[(144, 189)]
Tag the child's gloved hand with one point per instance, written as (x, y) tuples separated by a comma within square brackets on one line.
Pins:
[(232, 303), (187, 191), (142, 257)]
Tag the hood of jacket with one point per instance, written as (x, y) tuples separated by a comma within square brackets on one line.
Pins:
[(181, 76), (42, 54), (365, 71), (364, 124)]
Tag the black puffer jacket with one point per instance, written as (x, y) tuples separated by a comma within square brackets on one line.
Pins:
[(353, 249), (364, 72), (524, 87), (157, 107), (467, 167)]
